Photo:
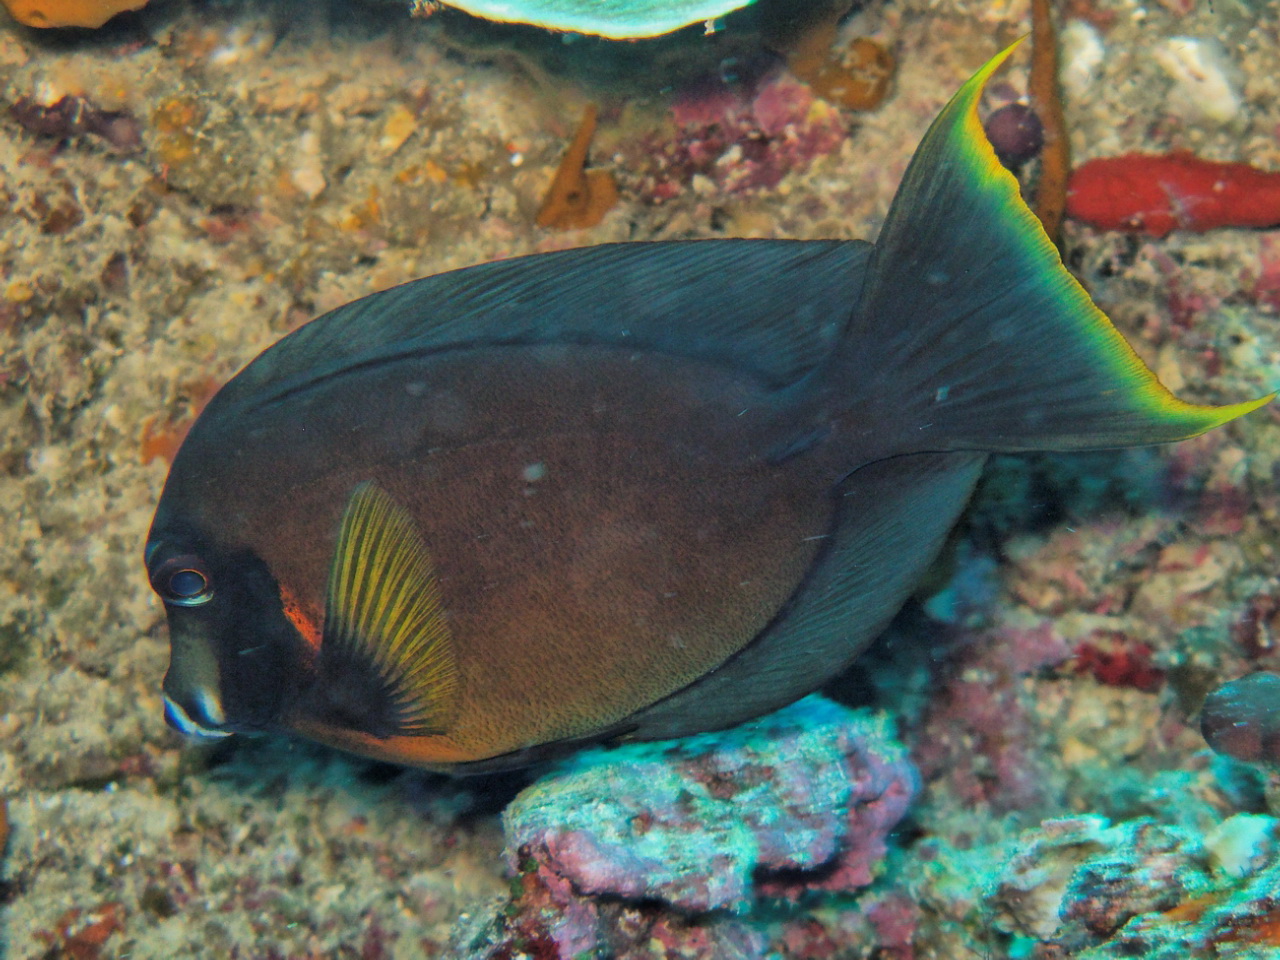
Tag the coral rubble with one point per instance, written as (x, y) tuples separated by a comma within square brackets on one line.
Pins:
[(1086, 889), (688, 837)]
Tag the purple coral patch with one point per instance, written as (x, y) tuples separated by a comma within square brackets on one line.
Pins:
[(741, 141), (1016, 133)]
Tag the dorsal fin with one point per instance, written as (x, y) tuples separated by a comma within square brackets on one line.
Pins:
[(385, 664), (728, 301)]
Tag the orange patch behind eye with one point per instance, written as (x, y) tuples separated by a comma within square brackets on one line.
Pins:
[(303, 621)]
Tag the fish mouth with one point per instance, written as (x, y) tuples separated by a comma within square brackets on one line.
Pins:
[(203, 721)]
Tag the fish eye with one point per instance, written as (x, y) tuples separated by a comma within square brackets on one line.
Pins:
[(183, 582), (187, 584)]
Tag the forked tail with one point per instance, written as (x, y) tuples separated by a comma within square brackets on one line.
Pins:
[(970, 334)]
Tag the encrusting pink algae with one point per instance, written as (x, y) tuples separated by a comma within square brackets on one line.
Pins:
[(798, 802)]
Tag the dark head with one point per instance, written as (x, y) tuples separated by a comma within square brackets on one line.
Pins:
[(236, 658), (233, 652), (239, 551)]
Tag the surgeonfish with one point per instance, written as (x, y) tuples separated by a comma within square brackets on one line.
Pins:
[(631, 491)]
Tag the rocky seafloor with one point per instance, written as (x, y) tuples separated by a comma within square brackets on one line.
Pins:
[(225, 171)]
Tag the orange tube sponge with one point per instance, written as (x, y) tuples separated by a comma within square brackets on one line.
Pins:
[(578, 197), (68, 13), (1046, 94)]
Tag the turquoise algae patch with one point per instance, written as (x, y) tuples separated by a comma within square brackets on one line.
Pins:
[(615, 19), (808, 793), (688, 848)]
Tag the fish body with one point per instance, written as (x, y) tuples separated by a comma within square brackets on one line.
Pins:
[(631, 491), (602, 510)]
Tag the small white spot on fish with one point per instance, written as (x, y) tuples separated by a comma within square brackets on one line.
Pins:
[(820, 536), (534, 472), (941, 394)]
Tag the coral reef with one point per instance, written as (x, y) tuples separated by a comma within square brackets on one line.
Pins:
[(739, 139), (69, 116), (679, 841), (1054, 666)]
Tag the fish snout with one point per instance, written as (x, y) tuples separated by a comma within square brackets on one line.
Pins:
[(216, 685), (192, 699)]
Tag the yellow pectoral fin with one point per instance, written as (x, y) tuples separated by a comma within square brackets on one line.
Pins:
[(386, 665)]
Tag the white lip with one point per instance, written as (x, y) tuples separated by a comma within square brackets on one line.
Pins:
[(182, 721), (211, 707)]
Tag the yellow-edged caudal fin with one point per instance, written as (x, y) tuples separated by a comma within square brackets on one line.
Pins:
[(974, 334), (385, 665)]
